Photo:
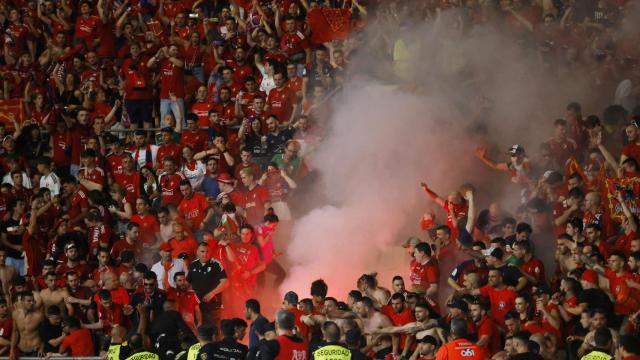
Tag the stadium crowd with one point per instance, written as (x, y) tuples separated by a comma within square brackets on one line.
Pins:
[(150, 150)]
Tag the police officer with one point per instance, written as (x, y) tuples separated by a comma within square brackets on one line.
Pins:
[(603, 340), (460, 348), (139, 353), (331, 348), (206, 335), (228, 348), (208, 279), (118, 347)]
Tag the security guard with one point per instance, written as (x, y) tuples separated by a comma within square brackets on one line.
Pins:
[(602, 340), (135, 343), (331, 349), (208, 279), (206, 334), (118, 348)]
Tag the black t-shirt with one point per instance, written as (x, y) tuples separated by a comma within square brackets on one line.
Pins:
[(13, 239), (596, 299), (276, 143), (226, 349), (169, 323), (206, 277), (48, 332), (526, 356)]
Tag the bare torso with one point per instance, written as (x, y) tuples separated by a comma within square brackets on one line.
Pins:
[(27, 324)]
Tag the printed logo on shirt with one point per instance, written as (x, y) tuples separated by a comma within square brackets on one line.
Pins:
[(467, 353)]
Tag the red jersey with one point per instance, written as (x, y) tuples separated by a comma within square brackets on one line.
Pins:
[(202, 110), (423, 275), (253, 202), (185, 246), (149, 227), (111, 317), (78, 203), (502, 301), (487, 327), (623, 243), (82, 269), (99, 236), (196, 139), (186, 303), (171, 149), (291, 349), (136, 82), (86, 28), (61, 148), (293, 43), (170, 188), (194, 210), (632, 150), (79, 341), (535, 268), (122, 245), (130, 183), (95, 175), (247, 257), (281, 101), (114, 162), (616, 283), (461, 349), (171, 80)]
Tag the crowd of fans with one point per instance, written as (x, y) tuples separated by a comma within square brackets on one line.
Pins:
[(161, 142)]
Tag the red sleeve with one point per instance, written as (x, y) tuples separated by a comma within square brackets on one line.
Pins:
[(433, 274), (485, 329), (66, 343), (609, 274), (484, 291), (264, 194)]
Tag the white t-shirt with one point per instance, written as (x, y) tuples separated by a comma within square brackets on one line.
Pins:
[(51, 182), (195, 175)]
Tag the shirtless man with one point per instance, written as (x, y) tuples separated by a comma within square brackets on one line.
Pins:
[(423, 326), (7, 272), (372, 319), (25, 340), (368, 284), (54, 295), (328, 314)]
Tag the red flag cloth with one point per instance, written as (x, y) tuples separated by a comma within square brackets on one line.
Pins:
[(329, 24), (11, 109)]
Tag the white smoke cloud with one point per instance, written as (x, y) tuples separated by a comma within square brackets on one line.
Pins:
[(383, 141)]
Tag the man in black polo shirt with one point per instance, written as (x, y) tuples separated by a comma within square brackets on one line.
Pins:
[(208, 279)]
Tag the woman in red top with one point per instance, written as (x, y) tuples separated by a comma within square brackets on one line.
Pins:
[(194, 53)]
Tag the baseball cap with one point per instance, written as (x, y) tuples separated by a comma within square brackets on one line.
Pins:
[(291, 297), (165, 246), (70, 245), (225, 178), (7, 138), (458, 304), (516, 150), (412, 241), (590, 276)]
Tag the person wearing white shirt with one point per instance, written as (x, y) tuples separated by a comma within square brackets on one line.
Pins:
[(166, 268)]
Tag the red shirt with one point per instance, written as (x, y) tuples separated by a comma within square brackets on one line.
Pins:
[(170, 188), (114, 162), (130, 183), (196, 139), (247, 257), (562, 150), (632, 150), (95, 175), (142, 72), (461, 349), (111, 317), (399, 319), (80, 342), (253, 202), (149, 227), (82, 269), (615, 286), (502, 301), (99, 236), (120, 246), (202, 110), (194, 210), (86, 28), (423, 275), (61, 148), (171, 80), (187, 246), (79, 202), (171, 149), (186, 303), (535, 268), (293, 43), (280, 101), (486, 326)]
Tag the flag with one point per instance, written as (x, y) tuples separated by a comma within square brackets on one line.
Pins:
[(630, 189), (329, 24), (11, 109), (155, 27)]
